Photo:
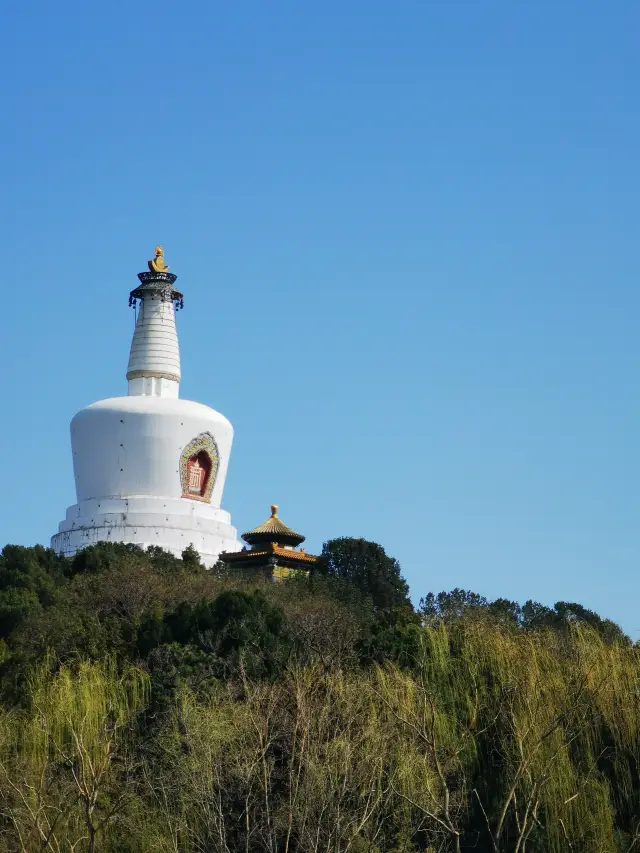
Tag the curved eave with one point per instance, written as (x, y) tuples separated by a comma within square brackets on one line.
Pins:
[(277, 538), (256, 556)]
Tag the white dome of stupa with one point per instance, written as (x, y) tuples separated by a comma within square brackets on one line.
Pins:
[(149, 467)]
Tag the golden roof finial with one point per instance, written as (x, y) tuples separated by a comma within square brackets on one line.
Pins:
[(158, 264), (274, 510)]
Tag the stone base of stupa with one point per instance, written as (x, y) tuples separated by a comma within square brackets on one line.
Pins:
[(170, 523)]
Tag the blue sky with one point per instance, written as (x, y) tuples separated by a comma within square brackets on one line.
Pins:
[(407, 237)]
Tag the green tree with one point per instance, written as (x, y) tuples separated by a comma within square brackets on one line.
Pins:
[(66, 770), (244, 630), (29, 581), (191, 559), (369, 568), (451, 605)]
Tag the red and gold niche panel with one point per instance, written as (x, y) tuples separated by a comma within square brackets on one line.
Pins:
[(199, 467)]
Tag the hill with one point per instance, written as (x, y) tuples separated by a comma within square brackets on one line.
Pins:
[(149, 705)]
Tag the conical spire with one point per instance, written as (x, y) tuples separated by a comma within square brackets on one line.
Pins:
[(154, 360)]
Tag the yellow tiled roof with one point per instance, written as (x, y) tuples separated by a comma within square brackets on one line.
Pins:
[(288, 553), (273, 530)]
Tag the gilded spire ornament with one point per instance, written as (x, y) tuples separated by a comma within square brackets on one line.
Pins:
[(158, 264)]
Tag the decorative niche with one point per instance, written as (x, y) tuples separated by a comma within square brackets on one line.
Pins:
[(199, 467)]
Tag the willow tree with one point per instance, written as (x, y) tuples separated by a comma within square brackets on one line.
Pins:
[(494, 739), (542, 784), (516, 739), (338, 770), (65, 762), (437, 712), (296, 765)]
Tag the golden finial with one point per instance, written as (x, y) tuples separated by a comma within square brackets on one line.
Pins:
[(158, 264), (274, 510)]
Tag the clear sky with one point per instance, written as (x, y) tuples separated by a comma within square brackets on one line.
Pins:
[(407, 234)]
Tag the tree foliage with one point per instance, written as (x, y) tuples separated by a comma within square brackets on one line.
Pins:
[(369, 569), (532, 615), (147, 704)]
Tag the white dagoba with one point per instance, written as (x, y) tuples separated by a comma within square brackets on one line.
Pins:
[(149, 467)]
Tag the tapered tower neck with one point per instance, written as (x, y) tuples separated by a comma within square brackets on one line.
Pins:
[(154, 360)]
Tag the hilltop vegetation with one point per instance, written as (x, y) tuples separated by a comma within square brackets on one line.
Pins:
[(149, 705)]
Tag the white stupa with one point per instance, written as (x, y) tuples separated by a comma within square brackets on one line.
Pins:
[(150, 468)]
